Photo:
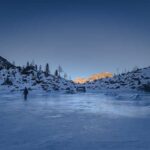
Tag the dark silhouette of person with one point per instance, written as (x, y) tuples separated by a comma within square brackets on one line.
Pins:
[(25, 92)]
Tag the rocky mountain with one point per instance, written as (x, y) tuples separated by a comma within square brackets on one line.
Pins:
[(80, 80), (17, 78), (93, 77), (138, 79), (4, 63)]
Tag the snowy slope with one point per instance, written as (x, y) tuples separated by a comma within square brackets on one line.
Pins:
[(17, 78), (138, 79), (5, 63)]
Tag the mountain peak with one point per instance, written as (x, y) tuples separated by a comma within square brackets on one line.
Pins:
[(93, 77), (4, 63)]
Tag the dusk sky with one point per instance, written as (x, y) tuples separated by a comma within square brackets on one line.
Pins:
[(83, 36)]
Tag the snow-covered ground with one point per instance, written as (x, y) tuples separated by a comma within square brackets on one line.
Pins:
[(138, 79), (88, 121)]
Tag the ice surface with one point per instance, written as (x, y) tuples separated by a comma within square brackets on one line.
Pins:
[(90, 121)]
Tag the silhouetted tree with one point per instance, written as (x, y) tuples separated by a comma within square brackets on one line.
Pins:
[(28, 64), (40, 68), (60, 70), (32, 63), (36, 67), (47, 70), (56, 73)]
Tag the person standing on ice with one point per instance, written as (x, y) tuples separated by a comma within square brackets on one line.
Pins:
[(25, 92)]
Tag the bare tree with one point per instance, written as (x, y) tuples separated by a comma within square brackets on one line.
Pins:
[(65, 75), (40, 68), (60, 70)]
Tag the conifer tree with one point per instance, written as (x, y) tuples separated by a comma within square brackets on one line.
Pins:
[(47, 70), (28, 64), (56, 73), (36, 67), (40, 68)]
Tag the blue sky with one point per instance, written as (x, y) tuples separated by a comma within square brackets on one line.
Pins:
[(85, 37)]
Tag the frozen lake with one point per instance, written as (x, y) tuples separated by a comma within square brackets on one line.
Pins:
[(90, 121)]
